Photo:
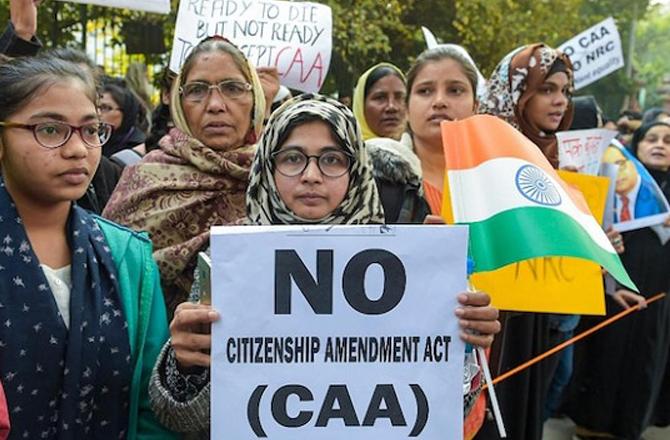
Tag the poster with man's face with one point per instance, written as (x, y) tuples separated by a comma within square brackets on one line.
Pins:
[(638, 201)]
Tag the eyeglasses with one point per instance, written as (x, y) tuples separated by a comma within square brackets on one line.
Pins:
[(56, 134), (104, 108), (293, 162), (198, 91)]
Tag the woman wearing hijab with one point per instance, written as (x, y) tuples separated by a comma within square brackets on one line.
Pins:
[(620, 369), (379, 102), (123, 110), (199, 176), (305, 127), (530, 89)]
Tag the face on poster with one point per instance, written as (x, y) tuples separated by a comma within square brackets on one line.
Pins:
[(337, 332), (638, 201), (295, 37)]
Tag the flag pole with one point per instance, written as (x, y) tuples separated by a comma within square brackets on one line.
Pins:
[(483, 361), (571, 341)]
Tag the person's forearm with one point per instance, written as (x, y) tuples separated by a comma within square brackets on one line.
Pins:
[(13, 45)]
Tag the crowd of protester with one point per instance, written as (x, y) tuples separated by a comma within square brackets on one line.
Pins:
[(106, 201)]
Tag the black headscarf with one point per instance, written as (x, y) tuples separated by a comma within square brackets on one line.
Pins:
[(587, 113), (129, 134), (661, 177)]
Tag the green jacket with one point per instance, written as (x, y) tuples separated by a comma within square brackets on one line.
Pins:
[(144, 309)]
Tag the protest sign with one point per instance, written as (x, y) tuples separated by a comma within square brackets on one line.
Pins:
[(159, 6), (553, 284), (337, 332), (638, 201), (583, 149), (295, 37), (595, 53)]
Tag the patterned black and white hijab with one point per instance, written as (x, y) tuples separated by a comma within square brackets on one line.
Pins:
[(361, 205)]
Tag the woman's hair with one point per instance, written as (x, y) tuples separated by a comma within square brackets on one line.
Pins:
[(440, 53), (215, 44), (72, 55), (652, 115), (133, 109), (136, 78), (587, 113), (641, 132), (377, 74), (21, 79)]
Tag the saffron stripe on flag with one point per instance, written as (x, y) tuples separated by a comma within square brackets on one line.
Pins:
[(497, 143)]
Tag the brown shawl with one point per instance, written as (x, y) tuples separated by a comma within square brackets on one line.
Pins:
[(176, 194)]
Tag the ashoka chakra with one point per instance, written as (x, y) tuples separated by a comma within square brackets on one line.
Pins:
[(534, 185)]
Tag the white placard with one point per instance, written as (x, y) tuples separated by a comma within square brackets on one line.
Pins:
[(337, 332), (595, 53), (295, 37), (583, 149), (158, 6)]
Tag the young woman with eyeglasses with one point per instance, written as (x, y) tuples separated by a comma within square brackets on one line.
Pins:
[(311, 168), (80, 303)]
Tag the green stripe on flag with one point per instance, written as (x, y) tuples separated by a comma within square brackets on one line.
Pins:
[(547, 232)]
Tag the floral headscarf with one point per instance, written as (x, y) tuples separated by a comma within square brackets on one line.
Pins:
[(515, 81), (361, 205)]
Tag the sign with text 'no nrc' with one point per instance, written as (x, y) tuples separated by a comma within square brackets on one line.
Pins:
[(337, 332), (295, 37), (595, 53)]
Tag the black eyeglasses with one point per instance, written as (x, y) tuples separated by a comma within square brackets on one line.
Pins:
[(56, 134), (198, 91), (293, 162)]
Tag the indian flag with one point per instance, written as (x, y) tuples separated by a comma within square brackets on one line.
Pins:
[(501, 185)]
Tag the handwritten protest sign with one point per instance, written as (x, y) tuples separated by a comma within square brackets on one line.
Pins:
[(337, 332), (583, 149), (295, 37), (595, 53), (553, 284), (159, 6)]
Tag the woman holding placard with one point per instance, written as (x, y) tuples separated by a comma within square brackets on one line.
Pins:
[(288, 187), (199, 176)]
